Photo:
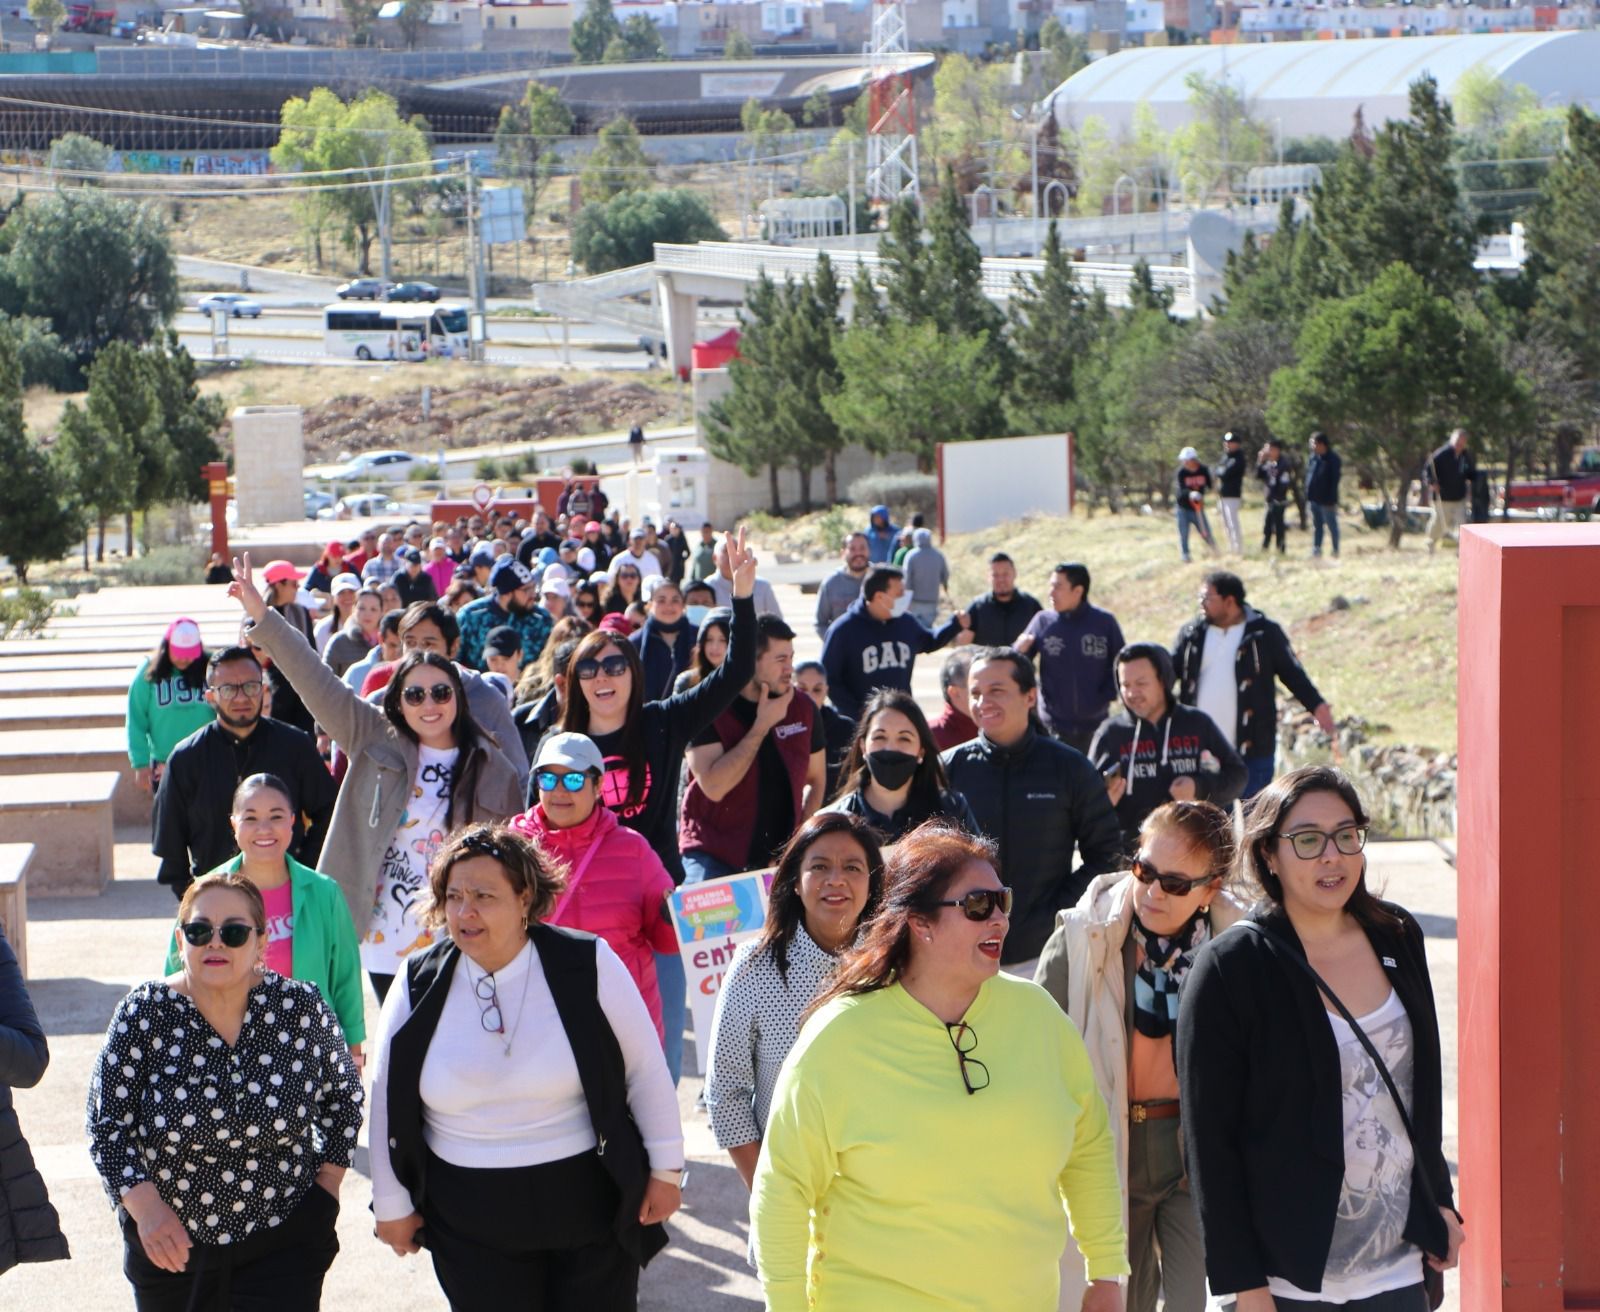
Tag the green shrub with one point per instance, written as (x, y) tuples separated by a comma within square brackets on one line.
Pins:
[(832, 526), (487, 470), (580, 465), (904, 494), (25, 611), (165, 565)]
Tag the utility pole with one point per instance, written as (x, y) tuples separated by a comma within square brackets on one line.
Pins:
[(478, 328), (850, 154)]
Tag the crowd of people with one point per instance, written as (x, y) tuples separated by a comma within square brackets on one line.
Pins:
[(484, 803)]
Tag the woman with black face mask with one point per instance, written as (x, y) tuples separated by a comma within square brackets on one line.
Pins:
[(892, 778)]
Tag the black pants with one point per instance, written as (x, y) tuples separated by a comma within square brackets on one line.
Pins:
[(528, 1238), (1273, 526), (1413, 1298), (276, 1270)]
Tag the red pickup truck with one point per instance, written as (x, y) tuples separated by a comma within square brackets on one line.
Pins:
[(1578, 493)]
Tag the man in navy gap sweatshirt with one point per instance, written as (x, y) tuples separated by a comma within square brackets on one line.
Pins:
[(875, 644)]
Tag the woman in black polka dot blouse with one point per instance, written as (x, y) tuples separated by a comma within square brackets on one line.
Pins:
[(222, 1116)]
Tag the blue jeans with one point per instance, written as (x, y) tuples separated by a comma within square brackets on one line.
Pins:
[(1324, 516), (1187, 520), (1260, 770), (701, 866), (674, 987)]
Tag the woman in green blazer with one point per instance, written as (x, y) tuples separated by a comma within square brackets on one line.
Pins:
[(310, 935)]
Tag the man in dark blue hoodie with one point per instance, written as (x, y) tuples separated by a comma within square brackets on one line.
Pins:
[(882, 536), (875, 644), (1076, 644)]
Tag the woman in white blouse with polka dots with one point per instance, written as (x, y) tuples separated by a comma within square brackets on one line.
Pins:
[(222, 1115), (828, 883)]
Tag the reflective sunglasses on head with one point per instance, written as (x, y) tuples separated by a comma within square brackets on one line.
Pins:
[(235, 934), (1171, 885), (981, 903), (228, 691), (613, 667), (573, 780), (416, 694), (1309, 844)]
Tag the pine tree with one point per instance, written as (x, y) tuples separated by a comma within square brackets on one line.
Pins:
[(1051, 329), (37, 519), (1561, 243), (744, 426), (593, 30), (904, 264)]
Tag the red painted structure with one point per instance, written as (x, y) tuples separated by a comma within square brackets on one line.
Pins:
[(216, 476), (1529, 903)]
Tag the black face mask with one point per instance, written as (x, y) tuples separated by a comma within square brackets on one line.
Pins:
[(891, 770)]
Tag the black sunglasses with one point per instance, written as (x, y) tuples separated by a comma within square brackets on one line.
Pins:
[(1171, 885), (981, 903), (573, 780), (613, 667), (233, 935), (416, 694), (963, 1038)]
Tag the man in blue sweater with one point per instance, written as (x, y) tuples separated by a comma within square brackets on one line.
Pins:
[(1077, 645), (875, 644)]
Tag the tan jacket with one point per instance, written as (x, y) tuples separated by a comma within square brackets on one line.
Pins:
[(1082, 967), (383, 765)]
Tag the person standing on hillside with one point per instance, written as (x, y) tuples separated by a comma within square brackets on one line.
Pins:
[(841, 588), (636, 443), (1228, 661), (927, 575), (1000, 616), (1449, 473), (1076, 644), (1230, 490), (1277, 478), (1322, 492), (1190, 485)]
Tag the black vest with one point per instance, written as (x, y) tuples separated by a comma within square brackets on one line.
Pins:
[(567, 957)]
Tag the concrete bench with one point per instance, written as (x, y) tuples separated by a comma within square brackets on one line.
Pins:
[(84, 660), (15, 859), (67, 818), (104, 712), (62, 751), (64, 683)]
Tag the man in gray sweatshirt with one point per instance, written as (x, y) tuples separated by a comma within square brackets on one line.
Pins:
[(927, 573), (840, 589)]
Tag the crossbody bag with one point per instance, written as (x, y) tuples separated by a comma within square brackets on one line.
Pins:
[(1432, 1278)]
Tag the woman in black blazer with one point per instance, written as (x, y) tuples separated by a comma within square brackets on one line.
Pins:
[(1309, 1192)]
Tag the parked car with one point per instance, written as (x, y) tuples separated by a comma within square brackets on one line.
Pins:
[(412, 291), (237, 306), (375, 466), (373, 505), (363, 289), (316, 501), (1554, 498)]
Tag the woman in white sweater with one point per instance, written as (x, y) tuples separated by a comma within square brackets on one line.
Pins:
[(532, 1131)]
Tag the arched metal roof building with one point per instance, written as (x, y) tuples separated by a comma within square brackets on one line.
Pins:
[(1313, 88)]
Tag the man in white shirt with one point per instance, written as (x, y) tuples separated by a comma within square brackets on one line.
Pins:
[(638, 555)]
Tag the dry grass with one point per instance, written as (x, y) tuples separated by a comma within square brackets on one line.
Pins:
[(1390, 657)]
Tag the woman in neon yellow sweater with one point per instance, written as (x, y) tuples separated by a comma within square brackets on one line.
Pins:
[(934, 1117)]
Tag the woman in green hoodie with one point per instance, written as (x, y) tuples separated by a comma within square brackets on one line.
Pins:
[(167, 700), (310, 935)]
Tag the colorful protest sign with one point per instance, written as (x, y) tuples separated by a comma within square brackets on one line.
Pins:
[(712, 919)]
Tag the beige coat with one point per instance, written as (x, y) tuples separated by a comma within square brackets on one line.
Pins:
[(383, 765), (1082, 968)]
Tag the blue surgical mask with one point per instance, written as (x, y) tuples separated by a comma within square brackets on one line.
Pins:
[(902, 604), (696, 615)]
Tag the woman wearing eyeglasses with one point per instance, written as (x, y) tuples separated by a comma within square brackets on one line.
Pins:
[(1132, 939), (1318, 1169), (309, 933), (222, 1116), (626, 588), (419, 767), (616, 886), (523, 1123), (856, 1204), (643, 742)]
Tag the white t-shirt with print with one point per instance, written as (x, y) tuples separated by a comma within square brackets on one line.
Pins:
[(393, 931)]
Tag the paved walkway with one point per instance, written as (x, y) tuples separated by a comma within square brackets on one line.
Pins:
[(86, 954)]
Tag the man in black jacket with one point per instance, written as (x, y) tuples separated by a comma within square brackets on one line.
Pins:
[(193, 804), (1450, 474), (1002, 613), (1230, 490), (1228, 662), (1277, 476), (1322, 492), (1038, 799), (1156, 751)]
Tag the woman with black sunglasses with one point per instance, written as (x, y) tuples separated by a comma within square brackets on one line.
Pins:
[(627, 587), (238, 1191), (1136, 935), (643, 742), (855, 1204), (419, 767), (616, 885), (1309, 1070)]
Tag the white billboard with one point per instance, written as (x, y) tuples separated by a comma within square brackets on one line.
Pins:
[(982, 484)]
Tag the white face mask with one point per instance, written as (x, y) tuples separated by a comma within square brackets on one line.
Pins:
[(902, 604)]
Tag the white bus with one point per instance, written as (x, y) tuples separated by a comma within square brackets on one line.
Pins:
[(389, 331)]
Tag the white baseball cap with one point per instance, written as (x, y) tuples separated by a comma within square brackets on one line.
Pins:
[(570, 751), (1188, 453)]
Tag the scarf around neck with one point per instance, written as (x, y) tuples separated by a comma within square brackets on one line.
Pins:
[(1161, 974)]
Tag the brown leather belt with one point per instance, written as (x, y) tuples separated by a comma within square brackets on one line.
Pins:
[(1140, 1112)]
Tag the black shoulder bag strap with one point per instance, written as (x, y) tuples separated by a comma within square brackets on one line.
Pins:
[(1433, 1279)]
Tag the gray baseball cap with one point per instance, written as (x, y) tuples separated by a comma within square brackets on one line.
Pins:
[(569, 751)]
